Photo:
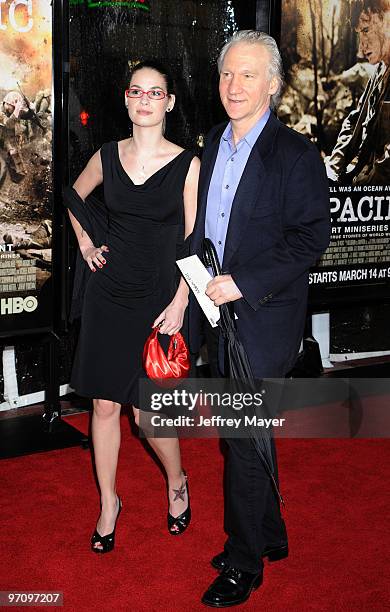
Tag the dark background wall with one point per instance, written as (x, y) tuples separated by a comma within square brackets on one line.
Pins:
[(185, 36)]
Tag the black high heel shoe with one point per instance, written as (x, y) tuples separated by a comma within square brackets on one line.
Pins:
[(107, 542), (178, 524)]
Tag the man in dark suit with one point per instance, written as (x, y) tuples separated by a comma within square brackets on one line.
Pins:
[(263, 201)]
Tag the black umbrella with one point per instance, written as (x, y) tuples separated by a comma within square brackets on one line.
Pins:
[(238, 362)]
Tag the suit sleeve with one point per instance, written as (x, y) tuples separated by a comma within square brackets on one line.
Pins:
[(305, 234)]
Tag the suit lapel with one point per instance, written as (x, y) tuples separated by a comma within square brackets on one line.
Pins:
[(249, 188)]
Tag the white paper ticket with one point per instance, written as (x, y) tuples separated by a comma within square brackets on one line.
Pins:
[(197, 278)]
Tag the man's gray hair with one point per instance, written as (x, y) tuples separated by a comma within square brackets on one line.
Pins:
[(275, 67)]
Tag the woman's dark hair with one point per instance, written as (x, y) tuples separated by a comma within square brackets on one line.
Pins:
[(158, 67)]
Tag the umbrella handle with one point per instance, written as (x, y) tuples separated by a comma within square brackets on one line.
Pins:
[(210, 256), (211, 260)]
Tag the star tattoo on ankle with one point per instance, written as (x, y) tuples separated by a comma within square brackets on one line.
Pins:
[(179, 493)]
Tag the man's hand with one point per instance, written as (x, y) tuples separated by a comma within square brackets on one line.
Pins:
[(223, 289), (20, 106)]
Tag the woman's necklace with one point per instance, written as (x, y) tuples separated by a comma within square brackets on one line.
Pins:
[(142, 175)]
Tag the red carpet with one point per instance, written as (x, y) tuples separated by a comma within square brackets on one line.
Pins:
[(337, 496)]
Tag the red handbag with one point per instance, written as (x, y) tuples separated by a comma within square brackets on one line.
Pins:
[(166, 370)]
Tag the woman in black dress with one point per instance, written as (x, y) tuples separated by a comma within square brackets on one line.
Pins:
[(150, 190)]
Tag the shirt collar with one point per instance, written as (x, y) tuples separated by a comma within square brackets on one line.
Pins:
[(253, 134)]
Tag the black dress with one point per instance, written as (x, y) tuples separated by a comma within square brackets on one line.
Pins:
[(124, 297)]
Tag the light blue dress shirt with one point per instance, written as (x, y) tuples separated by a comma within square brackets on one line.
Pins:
[(229, 166)]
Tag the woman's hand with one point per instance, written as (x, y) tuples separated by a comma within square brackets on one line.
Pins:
[(172, 317), (94, 255)]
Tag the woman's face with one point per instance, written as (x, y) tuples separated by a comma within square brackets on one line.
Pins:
[(148, 111)]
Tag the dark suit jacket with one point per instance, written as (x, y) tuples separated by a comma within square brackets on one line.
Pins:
[(279, 226)]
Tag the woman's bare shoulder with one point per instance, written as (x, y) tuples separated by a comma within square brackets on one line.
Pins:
[(193, 170)]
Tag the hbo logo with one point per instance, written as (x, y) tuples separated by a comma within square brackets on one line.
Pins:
[(16, 305)]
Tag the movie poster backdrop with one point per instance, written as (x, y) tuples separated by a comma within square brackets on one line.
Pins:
[(25, 165), (336, 56)]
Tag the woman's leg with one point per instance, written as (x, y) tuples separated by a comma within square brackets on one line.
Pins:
[(168, 451), (106, 437)]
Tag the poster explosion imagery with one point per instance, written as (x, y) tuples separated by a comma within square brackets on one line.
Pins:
[(25, 160), (336, 56)]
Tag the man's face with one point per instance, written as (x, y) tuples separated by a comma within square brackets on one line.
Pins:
[(8, 109), (244, 84), (374, 38)]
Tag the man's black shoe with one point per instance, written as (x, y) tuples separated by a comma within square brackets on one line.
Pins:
[(274, 553), (233, 586)]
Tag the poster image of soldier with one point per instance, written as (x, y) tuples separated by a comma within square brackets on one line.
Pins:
[(337, 55), (25, 149)]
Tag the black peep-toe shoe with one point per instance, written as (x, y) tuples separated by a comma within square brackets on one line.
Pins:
[(178, 524), (108, 541)]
